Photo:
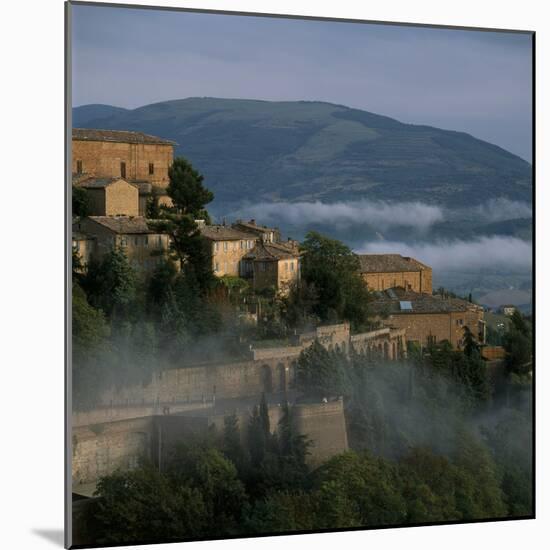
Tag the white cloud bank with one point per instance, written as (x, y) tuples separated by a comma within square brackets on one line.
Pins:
[(506, 254), (344, 214), (380, 215)]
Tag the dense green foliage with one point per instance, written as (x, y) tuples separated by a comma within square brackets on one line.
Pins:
[(81, 202), (424, 448), (518, 345), (332, 269), (186, 190)]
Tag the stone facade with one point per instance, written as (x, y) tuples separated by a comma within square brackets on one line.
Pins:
[(325, 425), (100, 449), (429, 319), (112, 197), (127, 155), (228, 247), (143, 247), (273, 265), (383, 271)]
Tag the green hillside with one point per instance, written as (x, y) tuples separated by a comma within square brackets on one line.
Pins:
[(268, 151)]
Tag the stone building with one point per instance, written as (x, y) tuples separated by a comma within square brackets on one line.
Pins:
[(383, 271), (111, 196), (144, 247), (272, 265), (140, 159), (429, 318), (266, 234), (228, 247), (132, 156)]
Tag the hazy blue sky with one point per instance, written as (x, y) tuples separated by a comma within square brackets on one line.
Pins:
[(477, 82)]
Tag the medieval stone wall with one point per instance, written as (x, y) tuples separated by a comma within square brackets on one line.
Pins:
[(325, 426), (203, 383), (100, 449)]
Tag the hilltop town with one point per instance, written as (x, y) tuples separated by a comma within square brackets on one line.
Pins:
[(276, 325)]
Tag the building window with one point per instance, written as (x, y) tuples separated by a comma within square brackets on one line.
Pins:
[(123, 241), (146, 240), (123, 170), (292, 266), (79, 167), (215, 247), (216, 266), (151, 168), (136, 240), (160, 240), (286, 266), (225, 246)]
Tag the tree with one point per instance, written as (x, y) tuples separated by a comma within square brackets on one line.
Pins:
[(186, 189), (333, 269), (232, 446), (282, 511), (518, 346), (208, 471), (89, 326), (146, 506), (257, 442), (153, 209), (293, 448), (161, 285), (81, 202), (480, 495), (320, 373), (371, 484), (111, 283), (470, 345)]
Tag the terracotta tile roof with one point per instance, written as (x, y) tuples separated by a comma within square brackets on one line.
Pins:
[(224, 233), (388, 263), (397, 301), (118, 136), (252, 226), (123, 225), (272, 251)]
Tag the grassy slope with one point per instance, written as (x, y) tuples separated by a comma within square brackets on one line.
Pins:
[(260, 150)]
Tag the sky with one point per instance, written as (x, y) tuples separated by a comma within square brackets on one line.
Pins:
[(472, 81)]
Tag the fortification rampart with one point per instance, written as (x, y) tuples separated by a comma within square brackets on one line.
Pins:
[(100, 449), (325, 426)]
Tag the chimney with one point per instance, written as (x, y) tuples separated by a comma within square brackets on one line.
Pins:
[(252, 222)]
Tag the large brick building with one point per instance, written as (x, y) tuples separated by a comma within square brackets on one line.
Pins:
[(429, 319), (139, 159), (383, 271), (133, 156)]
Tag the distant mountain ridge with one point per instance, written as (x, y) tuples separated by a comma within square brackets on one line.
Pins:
[(251, 150)]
